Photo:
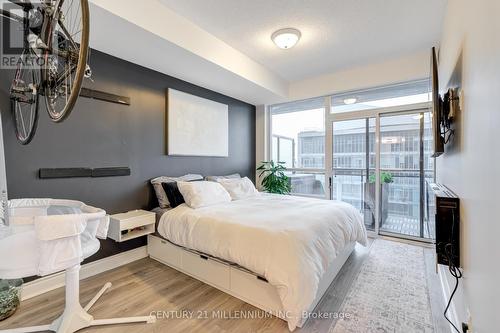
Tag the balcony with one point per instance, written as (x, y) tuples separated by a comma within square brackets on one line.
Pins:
[(407, 226), (400, 205), (403, 209)]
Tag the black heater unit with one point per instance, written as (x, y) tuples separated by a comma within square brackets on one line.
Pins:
[(444, 205)]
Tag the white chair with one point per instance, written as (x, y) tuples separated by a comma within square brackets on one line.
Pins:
[(46, 236)]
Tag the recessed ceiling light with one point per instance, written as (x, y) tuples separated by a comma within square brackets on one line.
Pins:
[(350, 101), (286, 38)]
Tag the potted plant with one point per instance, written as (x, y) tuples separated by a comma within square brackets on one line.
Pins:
[(385, 179), (10, 295), (273, 178)]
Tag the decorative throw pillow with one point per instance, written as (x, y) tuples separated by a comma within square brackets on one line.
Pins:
[(239, 188), (203, 193), (175, 197), (160, 192)]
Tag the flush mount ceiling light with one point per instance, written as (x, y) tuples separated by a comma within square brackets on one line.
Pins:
[(349, 101), (286, 38)]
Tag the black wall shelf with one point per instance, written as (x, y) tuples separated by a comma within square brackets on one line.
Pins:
[(104, 96), (46, 173)]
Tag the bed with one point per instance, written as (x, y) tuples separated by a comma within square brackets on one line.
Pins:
[(279, 253)]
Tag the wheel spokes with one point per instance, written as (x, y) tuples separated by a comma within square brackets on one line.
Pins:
[(24, 99), (62, 74)]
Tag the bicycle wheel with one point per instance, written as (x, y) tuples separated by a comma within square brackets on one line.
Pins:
[(67, 38), (24, 98)]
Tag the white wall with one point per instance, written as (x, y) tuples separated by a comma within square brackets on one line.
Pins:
[(407, 68), (470, 57)]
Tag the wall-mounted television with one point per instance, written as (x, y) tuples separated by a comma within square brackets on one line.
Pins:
[(444, 109), (437, 107)]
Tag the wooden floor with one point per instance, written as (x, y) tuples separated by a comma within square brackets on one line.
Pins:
[(147, 286)]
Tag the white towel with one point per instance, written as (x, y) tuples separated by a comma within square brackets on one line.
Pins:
[(59, 254), (59, 241), (51, 227), (102, 229)]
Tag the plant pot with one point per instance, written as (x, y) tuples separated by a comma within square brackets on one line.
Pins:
[(10, 296)]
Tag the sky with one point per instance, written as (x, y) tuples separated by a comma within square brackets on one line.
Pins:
[(290, 124)]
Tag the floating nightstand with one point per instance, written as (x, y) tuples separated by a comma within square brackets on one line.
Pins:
[(133, 224)]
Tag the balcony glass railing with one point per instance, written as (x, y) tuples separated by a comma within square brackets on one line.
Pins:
[(307, 183), (400, 199)]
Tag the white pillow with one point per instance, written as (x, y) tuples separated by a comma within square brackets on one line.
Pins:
[(160, 192), (239, 188), (203, 193), (216, 178)]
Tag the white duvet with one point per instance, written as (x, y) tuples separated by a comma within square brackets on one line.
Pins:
[(289, 240)]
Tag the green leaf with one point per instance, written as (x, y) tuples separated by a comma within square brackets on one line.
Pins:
[(385, 177), (273, 178)]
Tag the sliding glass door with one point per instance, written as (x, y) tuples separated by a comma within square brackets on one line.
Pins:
[(405, 169), (381, 164), (353, 176)]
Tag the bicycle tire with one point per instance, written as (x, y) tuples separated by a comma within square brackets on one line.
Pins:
[(59, 116), (26, 136), (24, 140)]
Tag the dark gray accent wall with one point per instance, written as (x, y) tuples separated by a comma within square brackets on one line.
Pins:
[(101, 134)]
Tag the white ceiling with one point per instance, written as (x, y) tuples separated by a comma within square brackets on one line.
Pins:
[(336, 34), (225, 46), (155, 37)]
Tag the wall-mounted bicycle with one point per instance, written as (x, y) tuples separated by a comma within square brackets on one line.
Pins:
[(53, 62)]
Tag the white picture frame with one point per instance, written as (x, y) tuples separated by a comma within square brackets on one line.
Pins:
[(196, 126)]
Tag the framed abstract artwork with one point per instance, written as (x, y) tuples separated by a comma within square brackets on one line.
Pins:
[(196, 126)]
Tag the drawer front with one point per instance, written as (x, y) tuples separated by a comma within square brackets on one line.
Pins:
[(136, 222), (207, 270), (250, 287), (164, 251)]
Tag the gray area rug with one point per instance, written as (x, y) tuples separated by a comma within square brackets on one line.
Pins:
[(390, 293)]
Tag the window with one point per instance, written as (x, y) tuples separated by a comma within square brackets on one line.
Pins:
[(298, 131), (283, 150), (298, 139), (382, 97)]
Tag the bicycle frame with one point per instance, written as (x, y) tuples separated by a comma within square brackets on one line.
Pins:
[(9, 15), (26, 6), (48, 47)]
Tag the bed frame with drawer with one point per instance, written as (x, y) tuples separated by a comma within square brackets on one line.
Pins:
[(233, 279)]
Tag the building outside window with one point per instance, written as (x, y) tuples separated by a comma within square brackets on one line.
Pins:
[(302, 126)]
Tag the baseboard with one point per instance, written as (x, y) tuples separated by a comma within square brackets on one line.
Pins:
[(54, 281), (457, 312)]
